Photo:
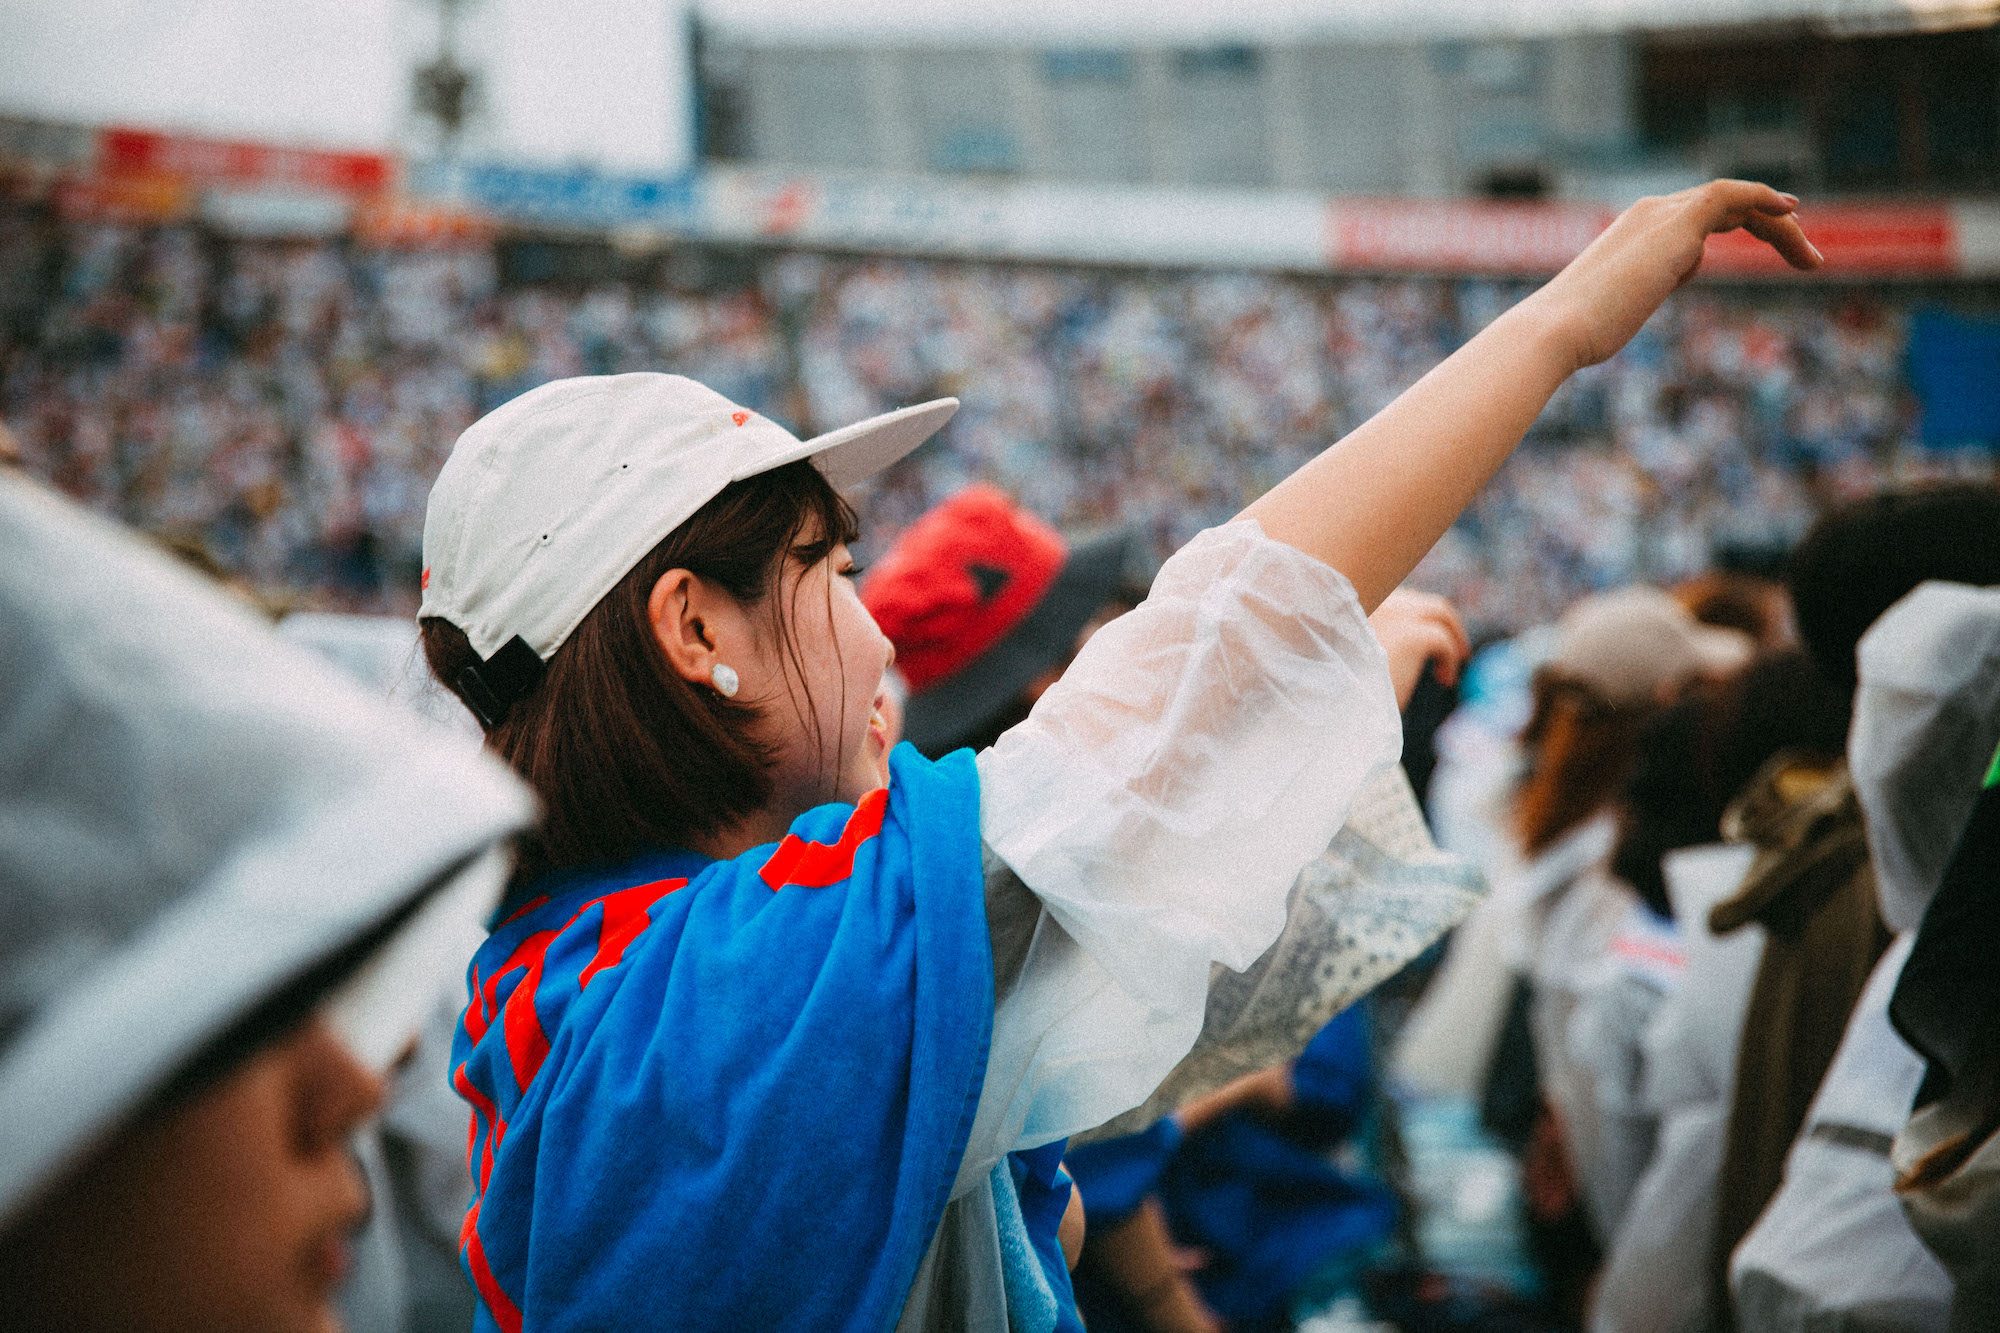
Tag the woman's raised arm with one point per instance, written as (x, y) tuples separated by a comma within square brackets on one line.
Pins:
[(1375, 502)]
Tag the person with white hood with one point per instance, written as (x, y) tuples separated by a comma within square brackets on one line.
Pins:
[(1834, 1249), (226, 874), (1913, 654)]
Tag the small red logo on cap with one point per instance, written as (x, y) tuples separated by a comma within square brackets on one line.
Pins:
[(739, 417), (426, 581)]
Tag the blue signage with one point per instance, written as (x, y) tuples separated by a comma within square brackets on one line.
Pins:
[(572, 196)]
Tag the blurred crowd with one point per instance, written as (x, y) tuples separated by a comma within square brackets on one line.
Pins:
[(1726, 761), (1742, 864), (284, 405)]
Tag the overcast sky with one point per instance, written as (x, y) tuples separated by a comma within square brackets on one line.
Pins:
[(566, 80)]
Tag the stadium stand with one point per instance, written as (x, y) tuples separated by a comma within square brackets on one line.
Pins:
[(286, 403)]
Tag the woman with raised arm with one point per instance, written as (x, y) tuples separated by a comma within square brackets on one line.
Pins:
[(759, 1043)]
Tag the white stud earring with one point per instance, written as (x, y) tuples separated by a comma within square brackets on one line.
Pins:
[(725, 680)]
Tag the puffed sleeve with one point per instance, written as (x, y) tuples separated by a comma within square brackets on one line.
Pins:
[(1159, 803)]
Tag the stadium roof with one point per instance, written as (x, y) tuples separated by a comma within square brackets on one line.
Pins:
[(944, 22)]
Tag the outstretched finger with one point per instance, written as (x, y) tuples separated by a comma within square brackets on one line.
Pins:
[(1787, 237), (1728, 202)]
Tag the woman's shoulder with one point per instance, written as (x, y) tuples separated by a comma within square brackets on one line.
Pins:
[(923, 826)]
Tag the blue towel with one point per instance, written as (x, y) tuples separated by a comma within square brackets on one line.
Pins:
[(728, 1095), (1031, 1191)]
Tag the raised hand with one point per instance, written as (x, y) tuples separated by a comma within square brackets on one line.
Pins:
[(1654, 246), (1373, 503), (1419, 629)]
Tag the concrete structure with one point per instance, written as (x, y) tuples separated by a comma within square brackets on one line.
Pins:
[(1587, 114)]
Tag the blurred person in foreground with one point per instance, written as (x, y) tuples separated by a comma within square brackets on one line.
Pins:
[(1812, 887), (986, 606), (227, 876)]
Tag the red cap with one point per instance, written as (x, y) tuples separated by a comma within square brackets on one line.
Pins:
[(959, 579)]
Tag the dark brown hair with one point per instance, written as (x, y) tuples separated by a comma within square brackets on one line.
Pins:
[(1702, 752), (1860, 559), (625, 754), (1580, 752), (1730, 600)]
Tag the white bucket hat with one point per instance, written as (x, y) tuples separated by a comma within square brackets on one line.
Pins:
[(550, 499)]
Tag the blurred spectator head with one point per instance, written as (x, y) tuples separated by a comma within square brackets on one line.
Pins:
[(1784, 702), (986, 604), (1861, 559), (1579, 750), (1695, 757), (1639, 645), (1748, 603), (218, 933), (1620, 659)]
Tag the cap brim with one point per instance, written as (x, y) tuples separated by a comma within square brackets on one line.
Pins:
[(857, 452), (969, 698), (379, 1011)]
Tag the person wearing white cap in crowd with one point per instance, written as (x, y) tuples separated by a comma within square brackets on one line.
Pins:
[(227, 877), (1496, 1022), (1632, 652), (1639, 645), (742, 1051)]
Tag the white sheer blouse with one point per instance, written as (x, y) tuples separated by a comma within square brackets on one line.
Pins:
[(1159, 803)]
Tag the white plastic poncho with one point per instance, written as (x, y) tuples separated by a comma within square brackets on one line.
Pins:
[(192, 813), (1160, 803), (1926, 719), (1833, 1249)]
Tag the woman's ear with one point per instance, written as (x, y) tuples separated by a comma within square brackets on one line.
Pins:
[(675, 608)]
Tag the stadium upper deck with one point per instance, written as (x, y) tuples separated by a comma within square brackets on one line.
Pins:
[(1438, 104)]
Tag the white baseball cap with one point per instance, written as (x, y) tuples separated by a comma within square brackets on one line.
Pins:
[(1632, 643), (550, 499)]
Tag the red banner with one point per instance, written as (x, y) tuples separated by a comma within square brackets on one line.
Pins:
[(130, 152), (1448, 236), (1876, 240)]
